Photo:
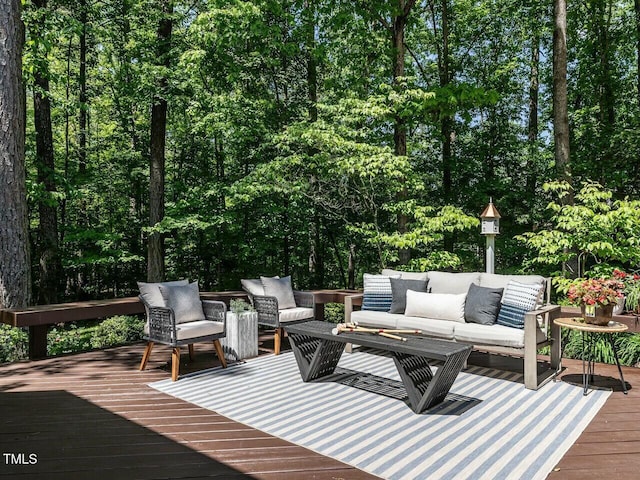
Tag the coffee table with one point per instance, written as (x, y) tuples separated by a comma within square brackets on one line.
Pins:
[(318, 351)]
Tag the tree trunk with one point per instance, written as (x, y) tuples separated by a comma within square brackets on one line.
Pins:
[(155, 259), (15, 281), (532, 127), (399, 127), (637, 10), (82, 98), (560, 107), (47, 248)]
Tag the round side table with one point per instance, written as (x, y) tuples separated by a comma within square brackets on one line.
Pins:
[(589, 334)]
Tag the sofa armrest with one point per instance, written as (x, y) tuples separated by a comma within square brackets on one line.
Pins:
[(349, 302), (549, 313)]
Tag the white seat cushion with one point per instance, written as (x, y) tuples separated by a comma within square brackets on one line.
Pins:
[(371, 318), (492, 335), (293, 314), (429, 326), (200, 328)]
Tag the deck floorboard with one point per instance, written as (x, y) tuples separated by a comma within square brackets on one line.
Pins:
[(94, 412)]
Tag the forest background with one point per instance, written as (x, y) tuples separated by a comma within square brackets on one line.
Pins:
[(318, 139)]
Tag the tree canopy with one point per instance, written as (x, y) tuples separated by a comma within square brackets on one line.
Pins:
[(319, 139)]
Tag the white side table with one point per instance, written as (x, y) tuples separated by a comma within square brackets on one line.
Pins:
[(242, 336)]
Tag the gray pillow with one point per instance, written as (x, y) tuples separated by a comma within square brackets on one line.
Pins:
[(482, 305), (184, 301), (281, 289), (253, 286), (151, 291), (399, 287)]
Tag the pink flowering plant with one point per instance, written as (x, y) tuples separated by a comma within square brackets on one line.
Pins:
[(595, 291)]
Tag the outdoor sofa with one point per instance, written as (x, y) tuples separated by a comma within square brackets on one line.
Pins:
[(454, 305)]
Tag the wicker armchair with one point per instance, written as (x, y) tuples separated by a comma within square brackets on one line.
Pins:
[(161, 327), (270, 315)]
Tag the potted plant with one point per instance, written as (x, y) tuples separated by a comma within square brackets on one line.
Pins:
[(596, 298)]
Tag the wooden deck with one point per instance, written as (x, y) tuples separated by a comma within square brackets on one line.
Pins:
[(92, 415)]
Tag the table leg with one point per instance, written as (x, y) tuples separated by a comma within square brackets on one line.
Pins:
[(615, 354), (316, 357), (424, 388)]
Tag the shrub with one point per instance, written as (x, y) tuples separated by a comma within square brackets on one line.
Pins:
[(68, 338), (14, 343), (117, 331), (334, 312)]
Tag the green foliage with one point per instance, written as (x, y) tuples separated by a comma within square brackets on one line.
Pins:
[(593, 231), (627, 344), (69, 338), (334, 312), (117, 330), (14, 343)]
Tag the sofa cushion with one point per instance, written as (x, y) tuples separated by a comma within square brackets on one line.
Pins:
[(371, 318), (405, 275), (517, 300), (399, 287), (495, 280), (446, 282), (497, 335), (482, 304), (439, 306), (150, 292), (184, 300), (200, 328), (429, 326), (281, 289), (377, 294)]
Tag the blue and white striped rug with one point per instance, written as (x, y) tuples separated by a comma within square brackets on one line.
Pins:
[(489, 426)]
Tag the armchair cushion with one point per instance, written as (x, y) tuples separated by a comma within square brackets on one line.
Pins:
[(200, 328), (253, 286), (184, 300), (281, 289), (151, 294), (295, 314)]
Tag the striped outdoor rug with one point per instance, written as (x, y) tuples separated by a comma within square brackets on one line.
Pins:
[(489, 426)]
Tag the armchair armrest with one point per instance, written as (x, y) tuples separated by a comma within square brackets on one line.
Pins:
[(349, 302), (304, 299), (215, 311), (267, 308), (162, 324)]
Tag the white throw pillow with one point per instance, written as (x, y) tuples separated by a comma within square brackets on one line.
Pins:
[(439, 306)]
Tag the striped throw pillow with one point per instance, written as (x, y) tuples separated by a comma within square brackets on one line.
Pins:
[(518, 299), (377, 292)]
